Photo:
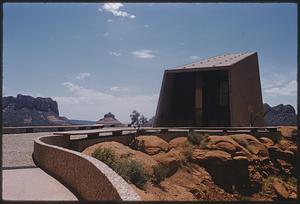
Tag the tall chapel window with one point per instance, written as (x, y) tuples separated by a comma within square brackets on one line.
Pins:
[(223, 93)]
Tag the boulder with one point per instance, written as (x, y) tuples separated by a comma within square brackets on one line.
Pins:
[(178, 142), (176, 193), (293, 149), (280, 189), (277, 153), (286, 167), (288, 131), (123, 151), (241, 159), (227, 144), (170, 159), (201, 156), (285, 144), (251, 144), (150, 144), (266, 141)]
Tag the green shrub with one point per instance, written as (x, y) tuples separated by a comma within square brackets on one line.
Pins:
[(105, 155), (160, 173), (198, 138), (277, 138), (128, 169), (132, 171)]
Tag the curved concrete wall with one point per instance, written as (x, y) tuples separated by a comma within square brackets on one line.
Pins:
[(90, 178)]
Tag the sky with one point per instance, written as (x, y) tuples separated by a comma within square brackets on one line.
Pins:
[(95, 58)]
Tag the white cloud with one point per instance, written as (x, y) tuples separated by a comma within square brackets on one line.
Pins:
[(281, 88), (119, 88), (106, 34), (146, 26), (114, 8), (279, 85), (117, 54), (194, 57), (90, 104), (82, 76), (109, 20), (143, 54)]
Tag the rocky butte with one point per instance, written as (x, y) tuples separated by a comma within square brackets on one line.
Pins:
[(280, 115), (26, 110)]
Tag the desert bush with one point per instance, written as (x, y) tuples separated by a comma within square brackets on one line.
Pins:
[(128, 169), (105, 155), (277, 138), (198, 138), (132, 171), (160, 173)]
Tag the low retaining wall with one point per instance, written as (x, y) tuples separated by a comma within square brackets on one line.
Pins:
[(86, 176)]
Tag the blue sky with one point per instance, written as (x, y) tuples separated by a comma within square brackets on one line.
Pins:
[(94, 57)]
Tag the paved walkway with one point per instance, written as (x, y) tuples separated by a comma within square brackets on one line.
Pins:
[(33, 184), (17, 149), (22, 180)]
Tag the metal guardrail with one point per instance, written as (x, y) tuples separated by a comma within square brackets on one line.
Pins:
[(142, 130), (31, 129), (89, 128)]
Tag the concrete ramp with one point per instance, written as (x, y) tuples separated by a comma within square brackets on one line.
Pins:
[(33, 184)]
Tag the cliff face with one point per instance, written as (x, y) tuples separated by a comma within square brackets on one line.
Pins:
[(27, 110), (29, 102), (280, 115)]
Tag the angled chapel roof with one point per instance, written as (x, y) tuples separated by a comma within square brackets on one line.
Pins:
[(219, 61)]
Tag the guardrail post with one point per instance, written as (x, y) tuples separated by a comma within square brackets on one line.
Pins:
[(29, 130), (92, 135), (254, 130), (164, 130), (272, 129), (140, 131), (117, 133)]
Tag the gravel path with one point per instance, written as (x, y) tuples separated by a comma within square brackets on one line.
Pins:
[(17, 149)]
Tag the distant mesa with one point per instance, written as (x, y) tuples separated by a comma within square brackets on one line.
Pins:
[(29, 111), (280, 115), (110, 120)]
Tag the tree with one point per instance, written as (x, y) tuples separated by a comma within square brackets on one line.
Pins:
[(143, 120), (137, 118), (255, 115)]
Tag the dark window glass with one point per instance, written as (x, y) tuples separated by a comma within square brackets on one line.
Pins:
[(223, 93)]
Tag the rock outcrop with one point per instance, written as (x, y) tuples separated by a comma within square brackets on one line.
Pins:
[(150, 144), (123, 151), (110, 120), (226, 168), (280, 115), (27, 110)]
